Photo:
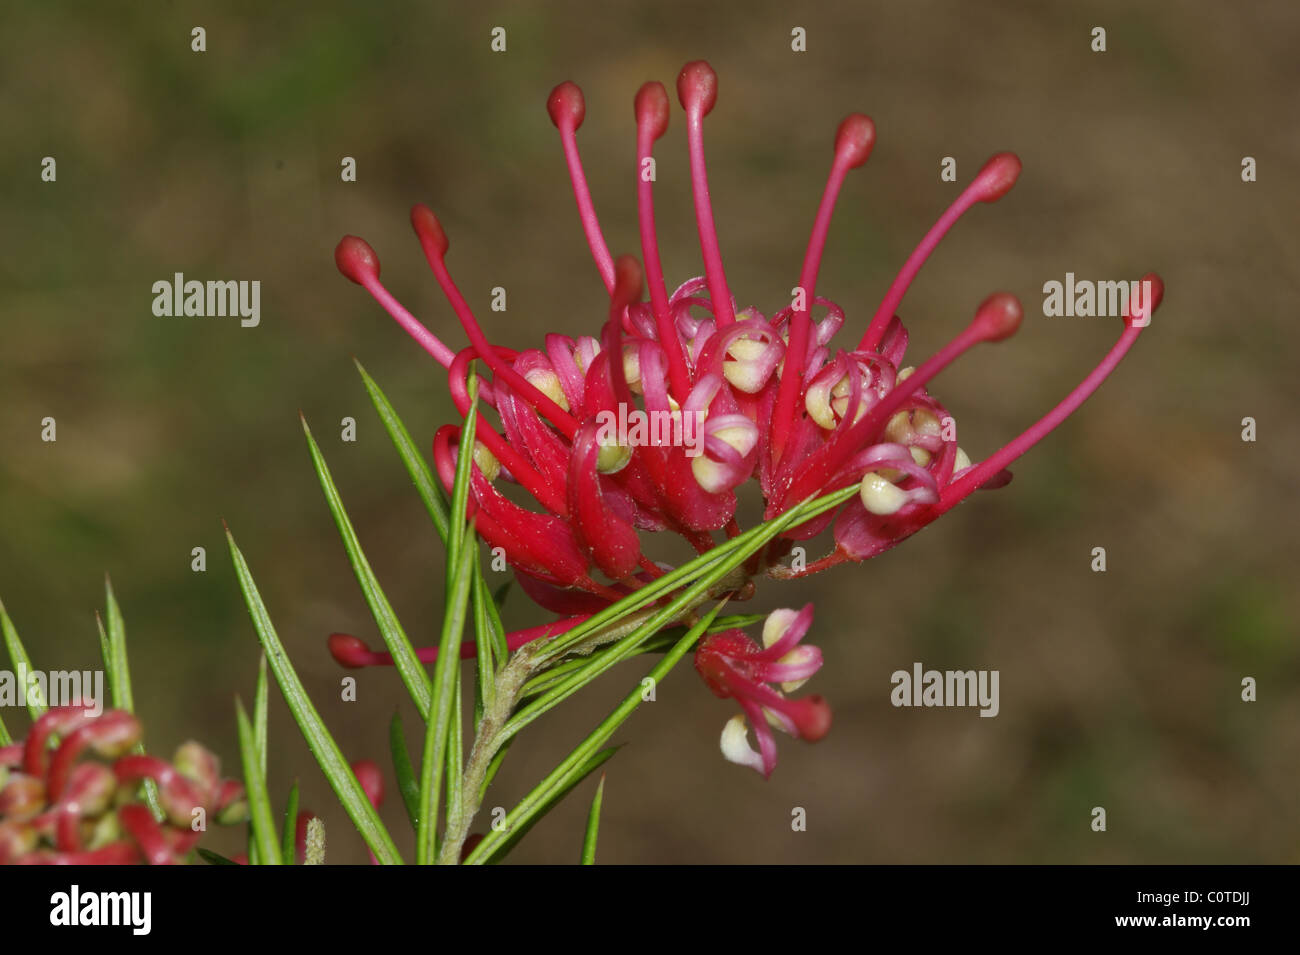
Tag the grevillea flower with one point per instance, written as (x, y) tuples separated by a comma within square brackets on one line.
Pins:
[(765, 397), (58, 806), (735, 667)]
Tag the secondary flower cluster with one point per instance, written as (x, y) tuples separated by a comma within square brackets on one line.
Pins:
[(775, 399), (57, 806), (735, 667)]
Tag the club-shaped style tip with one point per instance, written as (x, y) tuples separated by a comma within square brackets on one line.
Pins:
[(356, 259), (697, 87), (651, 108), (998, 317), (566, 105), (812, 717), (349, 651), (428, 229), (627, 280), (997, 177), (1151, 294), (854, 139)]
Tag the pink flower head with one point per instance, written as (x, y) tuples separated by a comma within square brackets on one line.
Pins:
[(803, 427), (735, 667), (730, 393), (60, 805)]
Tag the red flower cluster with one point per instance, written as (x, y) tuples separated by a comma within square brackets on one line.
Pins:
[(58, 807), (768, 397)]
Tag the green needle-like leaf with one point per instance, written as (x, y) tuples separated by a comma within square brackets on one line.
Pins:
[(119, 669), (407, 784), (659, 643), (261, 821), (18, 656), (289, 832), (593, 825), (485, 646), (416, 464), (112, 646), (260, 713), (5, 738), (712, 566), (322, 744), (407, 663), (105, 649), (513, 833), (578, 762), (498, 630), (445, 674), (464, 472), (709, 577), (455, 759)]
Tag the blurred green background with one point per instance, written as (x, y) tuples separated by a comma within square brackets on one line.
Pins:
[(1119, 690)]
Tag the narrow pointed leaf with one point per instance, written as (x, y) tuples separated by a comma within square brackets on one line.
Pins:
[(407, 783), (688, 598), (659, 643), (119, 669), (261, 822), (577, 763), (455, 761), (416, 466), (289, 831), (593, 825), (446, 673), (259, 713), (112, 646), (485, 647), (712, 567), (515, 832), (322, 744), (464, 470), (408, 665), (18, 656)]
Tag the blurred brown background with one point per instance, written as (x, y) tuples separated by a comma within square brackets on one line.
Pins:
[(1119, 689)]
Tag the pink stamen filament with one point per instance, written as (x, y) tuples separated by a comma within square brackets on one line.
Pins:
[(528, 477), (853, 142), (651, 568), (651, 122), (697, 90), (358, 655), (358, 262), (833, 559), (567, 110), (412, 325), (435, 248), (961, 488), (993, 180)]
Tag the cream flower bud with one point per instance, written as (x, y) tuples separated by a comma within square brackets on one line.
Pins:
[(486, 461), (548, 383), (612, 457), (715, 476), (632, 368), (735, 744), (879, 496)]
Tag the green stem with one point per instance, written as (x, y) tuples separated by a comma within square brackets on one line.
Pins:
[(487, 741)]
